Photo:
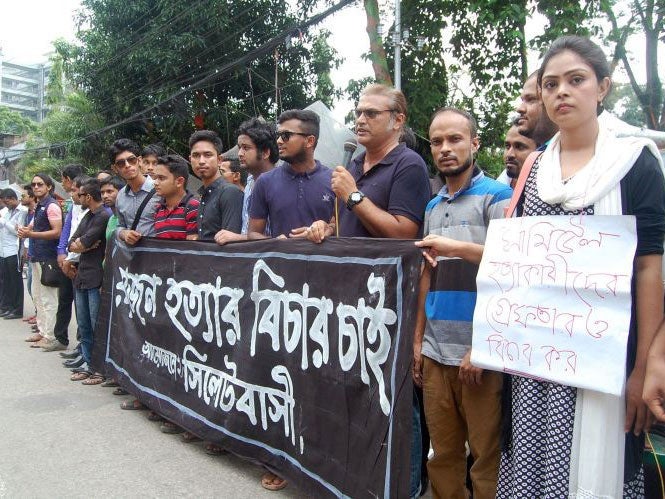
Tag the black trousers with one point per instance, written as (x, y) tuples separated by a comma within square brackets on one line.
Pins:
[(64, 314), (11, 296)]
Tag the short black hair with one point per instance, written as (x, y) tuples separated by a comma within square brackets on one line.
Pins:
[(237, 168), (28, 190), (154, 150), (473, 124), (176, 164), (310, 122), (408, 138), (122, 145), (93, 187), (208, 136), (262, 134), (8, 194), (104, 171), (72, 171), (80, 179), (116, 182)]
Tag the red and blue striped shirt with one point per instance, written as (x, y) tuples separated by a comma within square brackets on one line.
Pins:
[(179, 222)]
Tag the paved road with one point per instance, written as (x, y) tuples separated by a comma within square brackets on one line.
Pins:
[(59, 439)]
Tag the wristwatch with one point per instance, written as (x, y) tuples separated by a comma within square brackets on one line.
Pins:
[(354, 199)]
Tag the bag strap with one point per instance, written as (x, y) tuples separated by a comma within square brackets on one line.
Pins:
[(139, 212), (521, 182)]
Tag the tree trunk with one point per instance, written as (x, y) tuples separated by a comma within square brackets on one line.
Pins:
[(377, 53)]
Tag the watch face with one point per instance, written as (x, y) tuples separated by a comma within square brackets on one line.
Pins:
[(355, 197)]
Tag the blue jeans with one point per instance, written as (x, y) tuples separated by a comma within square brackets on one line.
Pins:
[(416, 450), (87, 307)]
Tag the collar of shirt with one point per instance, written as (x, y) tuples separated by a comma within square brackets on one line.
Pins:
[(475, 177), (44, 201), (215, 185), (388, 159), (288, 169), (161, 205), (147, 186)]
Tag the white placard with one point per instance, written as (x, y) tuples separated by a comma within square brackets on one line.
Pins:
[(554, 299)]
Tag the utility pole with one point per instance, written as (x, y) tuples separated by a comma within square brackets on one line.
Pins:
[(397, 40)]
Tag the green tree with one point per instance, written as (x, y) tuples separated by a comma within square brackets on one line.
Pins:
[(14, 123), (135, 55), (640, 18), (65, 136)]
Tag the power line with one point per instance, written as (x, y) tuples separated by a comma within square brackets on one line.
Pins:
[(251, 55)]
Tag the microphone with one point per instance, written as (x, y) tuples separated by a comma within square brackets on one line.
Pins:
[(350, 147)]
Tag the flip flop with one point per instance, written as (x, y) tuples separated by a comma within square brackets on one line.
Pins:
[(213, 450), (95, 379), (153, 416), (110, 384), (270, 481), (170, 428), (80, 376), (120, 391), (188, 437), (131, 405)]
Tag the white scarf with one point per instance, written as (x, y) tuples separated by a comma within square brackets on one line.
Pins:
[(598, 447)]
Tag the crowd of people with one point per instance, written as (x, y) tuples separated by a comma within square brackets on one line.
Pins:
[(494, 434)]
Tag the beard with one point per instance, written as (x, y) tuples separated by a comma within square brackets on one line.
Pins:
[(454, 171), (297, 157)]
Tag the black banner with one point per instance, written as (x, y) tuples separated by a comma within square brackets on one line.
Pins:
[(288, 353)]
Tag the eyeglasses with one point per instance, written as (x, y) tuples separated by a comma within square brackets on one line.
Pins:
[(371, 113), (285, 135), (131, 161), (38, 184)]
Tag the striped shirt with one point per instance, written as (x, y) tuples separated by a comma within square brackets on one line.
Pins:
[(179, 222), (452, 295)]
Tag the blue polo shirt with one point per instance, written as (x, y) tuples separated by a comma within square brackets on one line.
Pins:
[(398, 184), (291, 200)]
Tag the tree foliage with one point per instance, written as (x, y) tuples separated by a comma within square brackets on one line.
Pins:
[(132, 56), (14, 123), (65, 136)]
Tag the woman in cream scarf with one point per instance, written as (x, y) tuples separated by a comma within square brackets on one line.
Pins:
[(567, 442)]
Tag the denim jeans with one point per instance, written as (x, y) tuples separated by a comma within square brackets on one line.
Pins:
[(87, 307), (28, 278), (416, 450)]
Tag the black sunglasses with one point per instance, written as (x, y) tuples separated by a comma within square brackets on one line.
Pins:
[(285, 135)]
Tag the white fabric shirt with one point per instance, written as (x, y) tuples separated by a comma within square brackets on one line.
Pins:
[(77, 215), (8, 235)]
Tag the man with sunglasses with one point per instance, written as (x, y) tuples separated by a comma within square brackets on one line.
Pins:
[(221, 202), (384, 194), (296, 197), (44, 232), (385, 189), (136, 204)]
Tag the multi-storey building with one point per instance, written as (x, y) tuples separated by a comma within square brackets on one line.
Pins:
[(22, 88)]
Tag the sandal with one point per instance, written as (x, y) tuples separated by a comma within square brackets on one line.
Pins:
[(110, 384), (153, 416), (120, 391), (80, 376), (33, 337), (133, 405), (95, 379), (170, 428), (213, 450), (188, 437), (270, 481)]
